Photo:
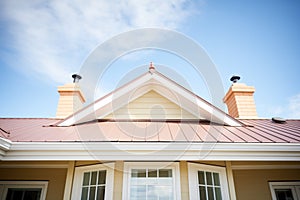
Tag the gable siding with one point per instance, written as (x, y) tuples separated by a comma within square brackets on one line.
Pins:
[(151, 106)]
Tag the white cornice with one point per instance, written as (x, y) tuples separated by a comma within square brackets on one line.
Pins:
[(141, 151), (4, 146)]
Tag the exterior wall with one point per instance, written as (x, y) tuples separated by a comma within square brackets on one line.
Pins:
[(56, 178), (254, 183), (251, 179), (151, 106)]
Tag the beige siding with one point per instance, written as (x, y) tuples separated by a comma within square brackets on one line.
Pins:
[(151, 106), (56, 178), (254, 184)]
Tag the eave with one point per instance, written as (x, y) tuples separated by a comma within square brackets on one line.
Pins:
[(151, 151), (5, 145)]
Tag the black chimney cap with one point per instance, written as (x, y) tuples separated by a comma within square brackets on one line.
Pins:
[(76, 78), (235, 78)]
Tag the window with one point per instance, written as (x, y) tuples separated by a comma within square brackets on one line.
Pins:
[(151, 181), (93, 182), (285, 190), (23, 190), (207, 182)]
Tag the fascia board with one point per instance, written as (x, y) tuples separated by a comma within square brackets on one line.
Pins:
[(153, 151), (5, 145)]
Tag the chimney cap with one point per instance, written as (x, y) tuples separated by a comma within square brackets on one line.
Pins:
[(76, 78), (235, 78)]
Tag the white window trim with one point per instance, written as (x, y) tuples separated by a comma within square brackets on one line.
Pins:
[(5, 185), (78, 178), (293, 185), (193, 169), (142, 165)]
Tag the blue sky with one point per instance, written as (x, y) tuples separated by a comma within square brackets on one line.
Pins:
[(43, 42)]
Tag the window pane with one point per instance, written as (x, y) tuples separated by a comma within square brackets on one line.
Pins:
[(165, 173), (201, 177), (208, 178), (32, 195), (216, 179), (23, 193), (202, 192), (84, 193), (165, 181), (138, 173), (210, 192), (138, 192), (151, 184), (102, 177), (92, 193), (152, 173), (284, 194), (101, 193), (94, 178), (13, 194), (152, 192), (218, 194), (164, 192), (86, 178)]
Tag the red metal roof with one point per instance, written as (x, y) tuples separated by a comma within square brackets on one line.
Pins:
[(255, 131)]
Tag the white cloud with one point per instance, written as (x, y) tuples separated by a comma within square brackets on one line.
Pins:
[(290, 111), (294, 107), (51, 38)]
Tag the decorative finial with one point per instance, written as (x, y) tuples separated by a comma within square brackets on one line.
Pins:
[(76, 78), (151, 68), (235, 79)]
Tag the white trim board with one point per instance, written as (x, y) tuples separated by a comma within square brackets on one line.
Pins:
[(141, 151), (4, 146)]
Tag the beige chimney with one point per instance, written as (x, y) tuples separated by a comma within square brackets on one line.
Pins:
[(71, 98), (240, 101)]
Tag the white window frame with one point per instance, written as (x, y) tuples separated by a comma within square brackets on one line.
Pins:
[(193, 169), (78, 178), (293, 185), (5, 185), (143, 165)]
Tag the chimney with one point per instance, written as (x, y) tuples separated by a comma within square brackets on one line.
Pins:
[(240, 101), (71, 98)]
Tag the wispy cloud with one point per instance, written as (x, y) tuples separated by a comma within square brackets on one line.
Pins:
[(50, 39), (294, 106), (291, 110)]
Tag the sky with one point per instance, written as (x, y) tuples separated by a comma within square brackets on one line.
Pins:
[(42, 43)]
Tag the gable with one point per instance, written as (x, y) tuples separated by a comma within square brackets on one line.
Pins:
[(191, 105), (150, 106)]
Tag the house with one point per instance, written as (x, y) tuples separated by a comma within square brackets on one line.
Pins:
[(150, 139)]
